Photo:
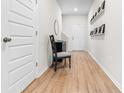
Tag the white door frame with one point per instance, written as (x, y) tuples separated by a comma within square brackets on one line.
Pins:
[(3, 59)]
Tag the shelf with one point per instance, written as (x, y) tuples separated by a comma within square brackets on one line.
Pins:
[(98, 13), (98, 31), (97, 16)]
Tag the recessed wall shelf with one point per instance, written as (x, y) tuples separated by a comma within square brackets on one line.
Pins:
[(98, 13)]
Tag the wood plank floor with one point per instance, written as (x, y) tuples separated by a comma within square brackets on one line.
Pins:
[(85, 76)]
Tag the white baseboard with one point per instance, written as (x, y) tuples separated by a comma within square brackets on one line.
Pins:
[(107, 72), (39, 75)]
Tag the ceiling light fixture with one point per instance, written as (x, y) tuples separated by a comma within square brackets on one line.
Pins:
[(75, 9)]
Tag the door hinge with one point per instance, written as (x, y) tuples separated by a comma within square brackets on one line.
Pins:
[(36, 64), (36, 33), (36, 2)]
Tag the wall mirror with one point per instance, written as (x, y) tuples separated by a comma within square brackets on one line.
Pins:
[(56, 27)]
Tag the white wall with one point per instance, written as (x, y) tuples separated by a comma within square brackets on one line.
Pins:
[(68, 22), (107, 52), (48, 12)]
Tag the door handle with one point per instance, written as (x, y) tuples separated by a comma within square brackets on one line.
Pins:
[(6, 39)]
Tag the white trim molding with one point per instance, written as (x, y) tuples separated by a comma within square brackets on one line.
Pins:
[(107, 72), (42, 72)]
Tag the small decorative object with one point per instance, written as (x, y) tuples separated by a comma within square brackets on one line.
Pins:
[(99, 9), (93, 16), (103, 5), (100, 30), (91, 33), (96, 29), (103, 29), (91, 19), (96, 14), (56, 27)]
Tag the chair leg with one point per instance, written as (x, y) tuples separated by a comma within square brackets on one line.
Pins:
[(52, 64), (65, 62), (55, 66), (69, 62)]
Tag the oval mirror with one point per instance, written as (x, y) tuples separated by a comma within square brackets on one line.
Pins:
[(56, 27)]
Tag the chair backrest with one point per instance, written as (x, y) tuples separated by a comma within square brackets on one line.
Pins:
[(53, 45)]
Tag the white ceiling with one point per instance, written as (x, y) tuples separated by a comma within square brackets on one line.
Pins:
[(68, 6)]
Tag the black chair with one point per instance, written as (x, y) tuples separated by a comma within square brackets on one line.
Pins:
[(58, 55)]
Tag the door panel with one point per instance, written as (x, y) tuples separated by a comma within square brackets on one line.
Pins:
[(15, 53), (79, 37), (18, 73), (16, 30), (18, 41), (21, 84), (16, 18), (20, 51), (21, 7), (19, 62)]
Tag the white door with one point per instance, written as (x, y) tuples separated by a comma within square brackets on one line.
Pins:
[(18, 47), (79, 37)]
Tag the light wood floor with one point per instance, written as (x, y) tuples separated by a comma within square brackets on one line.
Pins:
[(85, 76)]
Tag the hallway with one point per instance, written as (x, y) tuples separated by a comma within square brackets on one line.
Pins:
[(36, 34), (85, 76)]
